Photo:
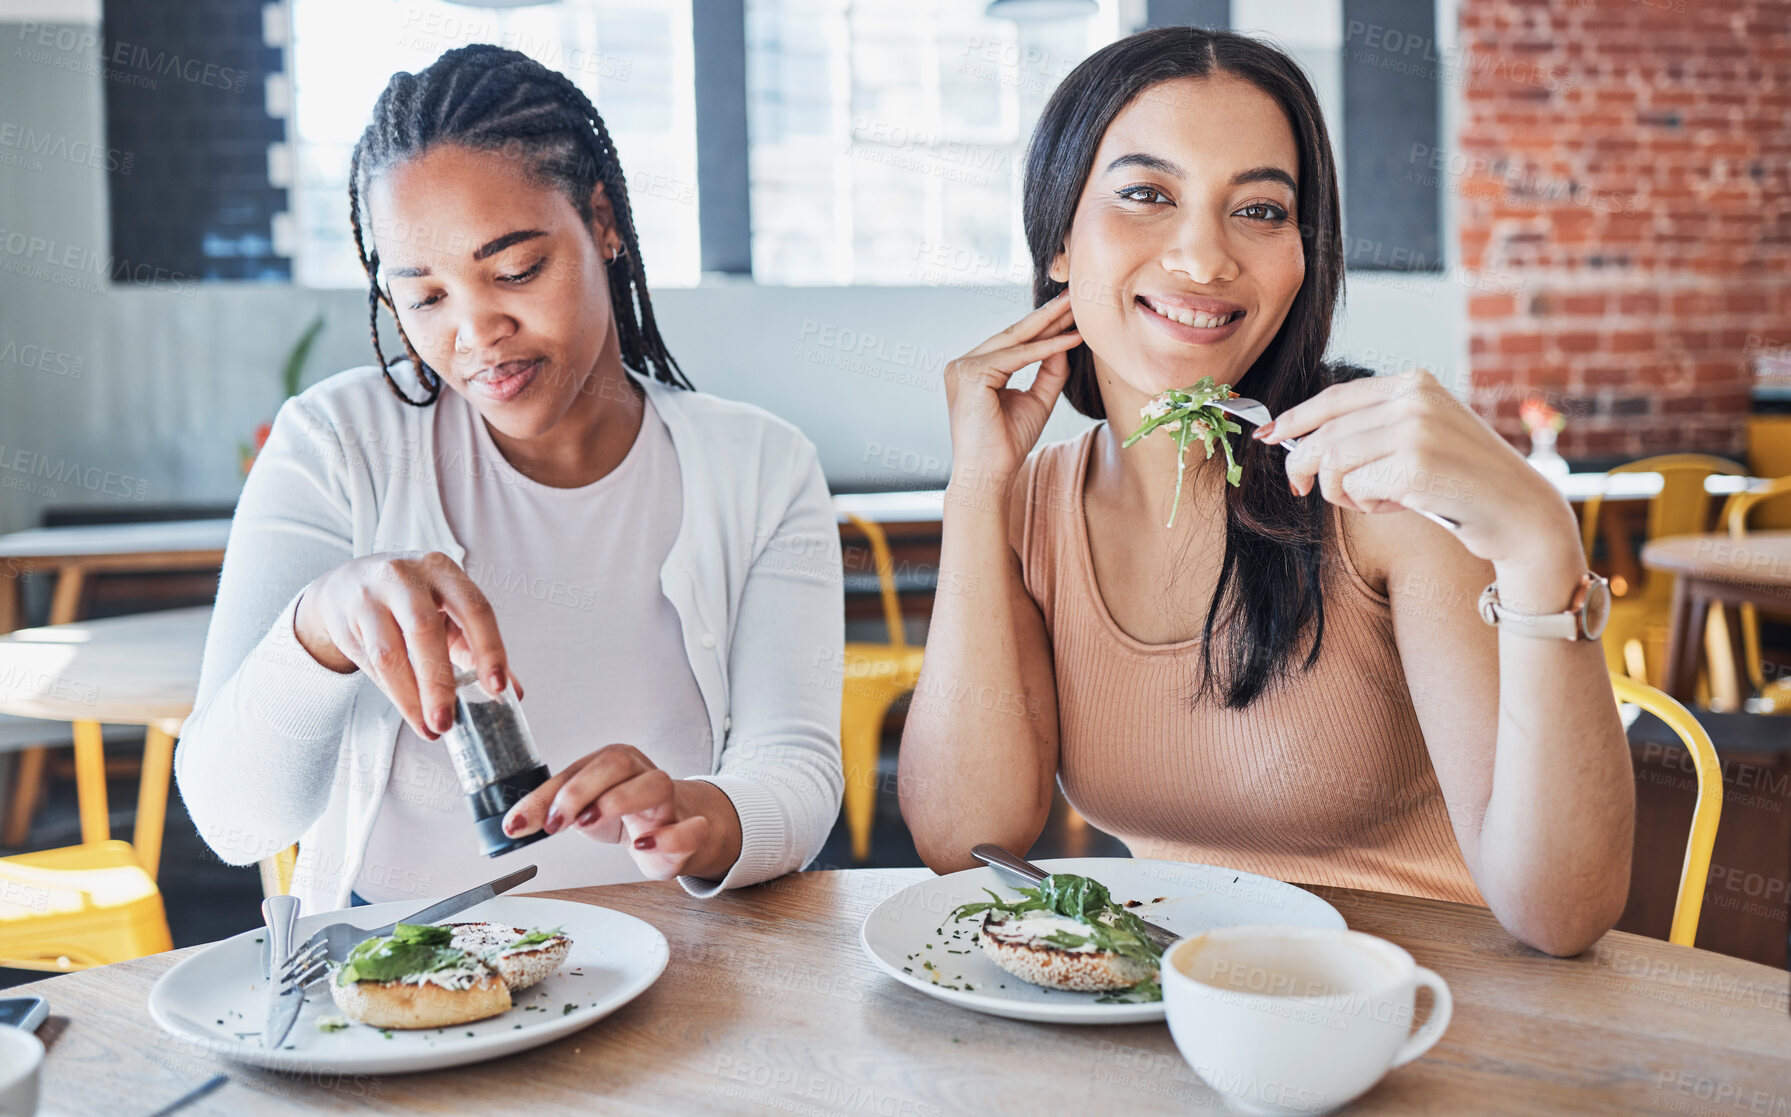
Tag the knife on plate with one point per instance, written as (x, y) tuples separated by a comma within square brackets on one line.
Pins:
[(1017, 866)]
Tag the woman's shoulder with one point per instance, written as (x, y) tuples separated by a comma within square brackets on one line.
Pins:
[(1046, 486), (358, 396), (728, 424)]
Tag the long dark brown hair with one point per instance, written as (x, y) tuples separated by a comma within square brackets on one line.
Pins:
[(488, 98), (1270, 587)]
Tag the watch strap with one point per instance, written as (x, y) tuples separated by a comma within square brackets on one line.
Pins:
[(1565, 625)]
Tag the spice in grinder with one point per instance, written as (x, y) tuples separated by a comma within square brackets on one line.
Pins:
[(494, 757)]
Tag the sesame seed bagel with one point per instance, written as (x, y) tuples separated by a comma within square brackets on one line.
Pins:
[(402, 1004), (1078, 971), (519, 968)]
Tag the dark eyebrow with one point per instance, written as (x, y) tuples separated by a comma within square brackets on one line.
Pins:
[(1267, 173), (488, 249)]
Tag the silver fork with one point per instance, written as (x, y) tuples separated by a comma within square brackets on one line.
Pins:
[(1254, 412)]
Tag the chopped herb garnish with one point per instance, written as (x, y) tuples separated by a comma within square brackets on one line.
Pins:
[(1147, 990)]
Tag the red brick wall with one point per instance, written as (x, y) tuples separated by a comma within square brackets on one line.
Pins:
[(1623, 181)]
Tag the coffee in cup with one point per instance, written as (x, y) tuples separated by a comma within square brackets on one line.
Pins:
[(1282, 1020)]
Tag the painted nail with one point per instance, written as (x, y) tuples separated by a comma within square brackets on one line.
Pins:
[(587, 816), (444, 717), (513, 825), (1263, 431), (497, 680), (644, 843), (555, 820)]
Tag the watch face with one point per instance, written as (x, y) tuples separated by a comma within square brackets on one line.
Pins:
[(1597, 609)]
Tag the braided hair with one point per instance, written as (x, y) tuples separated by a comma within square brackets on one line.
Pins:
[(488, 98)]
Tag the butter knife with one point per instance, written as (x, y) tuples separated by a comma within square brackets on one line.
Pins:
[(1015, 865), (284, 999)]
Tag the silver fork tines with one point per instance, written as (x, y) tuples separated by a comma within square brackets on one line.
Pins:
[(312, 957)]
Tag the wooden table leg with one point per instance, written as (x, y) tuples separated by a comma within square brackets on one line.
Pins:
[(152, 797), (12, 607), (27, 786), (90, 782), (65, 602), (1679, 636)]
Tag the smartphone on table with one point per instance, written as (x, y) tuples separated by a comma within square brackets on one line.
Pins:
[(23, 1012)]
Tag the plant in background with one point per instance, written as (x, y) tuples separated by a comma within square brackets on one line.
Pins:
[(1544, 423), (290, 378), (1537, 413)]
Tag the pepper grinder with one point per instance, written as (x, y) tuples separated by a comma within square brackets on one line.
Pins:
[(494, 757)]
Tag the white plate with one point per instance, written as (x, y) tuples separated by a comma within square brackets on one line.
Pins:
[(614, 958), (914, 927)]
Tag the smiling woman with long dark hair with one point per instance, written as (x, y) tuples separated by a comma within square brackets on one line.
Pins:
[(536, 493), (1294, 678)]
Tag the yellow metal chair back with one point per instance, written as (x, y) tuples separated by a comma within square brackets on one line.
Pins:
[(276, 871), (1705, 815), (1636, 636), (1682, 507), (875, 676), (1776, 694)]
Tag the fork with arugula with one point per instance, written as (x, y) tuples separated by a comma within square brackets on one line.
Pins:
[(1188, 413)]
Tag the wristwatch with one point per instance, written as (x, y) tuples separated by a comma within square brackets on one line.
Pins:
[(1584, 618)]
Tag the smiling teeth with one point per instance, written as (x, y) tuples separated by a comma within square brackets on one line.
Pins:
[(1191, 317)]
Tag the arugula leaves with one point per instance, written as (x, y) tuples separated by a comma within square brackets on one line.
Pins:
[(1110, 926), (410, 949), (1189, 414)]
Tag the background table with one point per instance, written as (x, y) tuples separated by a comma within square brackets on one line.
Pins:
[(770, 1005), (74, 552), (137, 670), (71, 553), (1719, 570)]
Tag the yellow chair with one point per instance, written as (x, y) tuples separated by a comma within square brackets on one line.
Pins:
[(1705, 815), (875, 676), (94, 903), (1635, 638), (276, 871), (1775, 696)]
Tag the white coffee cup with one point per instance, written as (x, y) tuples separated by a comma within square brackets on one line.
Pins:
[(1296, 1019), (21, 1058)]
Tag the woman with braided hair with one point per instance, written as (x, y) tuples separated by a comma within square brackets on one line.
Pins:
[(536, 492)]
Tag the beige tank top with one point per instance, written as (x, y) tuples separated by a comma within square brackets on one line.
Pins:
[(1324, 779)]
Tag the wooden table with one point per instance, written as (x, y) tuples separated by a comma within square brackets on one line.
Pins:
[(137, 670), (770, 1006), (71, 553), (1716, 569), (74, 552)]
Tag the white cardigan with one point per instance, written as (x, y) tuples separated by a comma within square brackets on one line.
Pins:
[(280, 749)]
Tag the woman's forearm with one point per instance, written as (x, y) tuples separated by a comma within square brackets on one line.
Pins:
[(978, 754), (1555, 844)]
